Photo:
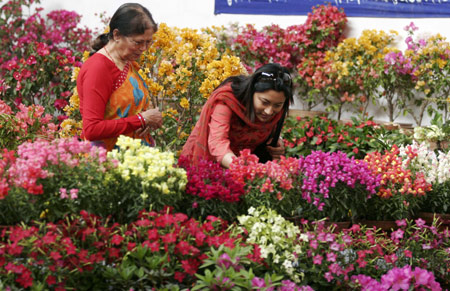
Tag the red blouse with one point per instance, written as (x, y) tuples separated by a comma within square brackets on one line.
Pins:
[(95, 85)]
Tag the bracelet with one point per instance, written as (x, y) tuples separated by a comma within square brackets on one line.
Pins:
[(141, 119)]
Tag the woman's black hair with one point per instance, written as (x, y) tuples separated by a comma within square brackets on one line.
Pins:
[(129, 19), (244, 87)]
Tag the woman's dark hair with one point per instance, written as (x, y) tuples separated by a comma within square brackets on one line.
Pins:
[(129, 19), (271, 76)]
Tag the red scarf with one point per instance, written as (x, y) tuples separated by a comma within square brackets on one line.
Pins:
[(196, 147)]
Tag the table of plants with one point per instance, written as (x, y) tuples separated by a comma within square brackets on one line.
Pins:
[(344, 209)]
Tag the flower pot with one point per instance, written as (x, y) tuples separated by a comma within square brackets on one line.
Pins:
[(306, 113), (385, 225), (430, 216)]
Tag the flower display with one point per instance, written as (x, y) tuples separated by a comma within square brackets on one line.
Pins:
[(181, 69), (272, 184), (275, 237), (356, 138), (400, 188), (212, 190), (336, 185), (361, 256), (27, 124), (356, 70), (436, 167), (84, 250), (50, 179), (160, 180), (38, 53)]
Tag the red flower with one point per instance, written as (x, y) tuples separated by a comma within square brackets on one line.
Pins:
[(117, 239), (190, 266), (55, 255), (179, 276), (183, 248), (51, 280)]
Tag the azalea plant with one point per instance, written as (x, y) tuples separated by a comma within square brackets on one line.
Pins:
[(356, 137), (276, 237), (157, 250), (211, 190), (322, 29), (50, 179), (357, 257), (181, 69), (436, 167), (27, 124), (273, 184), (152, 173), (335, 186), (356, 66), (38, 53), (430, 58), (234, 268), (401, 188)]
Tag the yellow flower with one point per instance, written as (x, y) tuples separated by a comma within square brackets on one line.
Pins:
[(184, 103)]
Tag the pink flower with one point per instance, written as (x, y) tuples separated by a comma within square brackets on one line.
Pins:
[(317, 260), (63, 193), (73, 194)]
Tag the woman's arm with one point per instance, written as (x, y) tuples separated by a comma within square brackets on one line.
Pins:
[(218, 138)]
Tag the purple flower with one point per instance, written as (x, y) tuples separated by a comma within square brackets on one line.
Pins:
[(397, 279), (258, 282)]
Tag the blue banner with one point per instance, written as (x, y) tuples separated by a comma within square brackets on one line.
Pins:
[(358, 8)]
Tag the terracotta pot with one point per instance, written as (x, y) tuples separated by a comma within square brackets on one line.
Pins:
[(337, 226), (385, 225), (306, 113), (430, 216)]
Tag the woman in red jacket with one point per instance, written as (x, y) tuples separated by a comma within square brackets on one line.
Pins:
[(242, 113), (114, 99)]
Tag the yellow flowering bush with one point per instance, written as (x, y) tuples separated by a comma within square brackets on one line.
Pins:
[(430, 59), (355, 70), (182, 68), (151, 170), (72, 125)]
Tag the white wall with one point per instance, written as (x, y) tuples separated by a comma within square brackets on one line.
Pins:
[(200, 13)]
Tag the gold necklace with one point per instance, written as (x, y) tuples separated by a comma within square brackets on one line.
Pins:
[(111, 57)]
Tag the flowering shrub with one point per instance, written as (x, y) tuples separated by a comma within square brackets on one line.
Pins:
[(27, 124), (276, 237), (158, 181), (335, 186), (86, 252), (429, 57), (211, 190), (398, 278), (356, 66), (436, 167), (338, 259), (181, 69), (401, 188), (50, 179), (37, 54), (356, 138), (234, 268), (323, 29), (273, 184)]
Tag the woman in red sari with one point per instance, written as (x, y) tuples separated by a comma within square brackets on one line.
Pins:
[(242, 113), (114, 99)]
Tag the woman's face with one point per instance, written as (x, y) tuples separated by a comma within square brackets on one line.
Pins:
[(267, 104), (132, 47)]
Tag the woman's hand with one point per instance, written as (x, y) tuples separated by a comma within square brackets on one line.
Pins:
[(153, 118), (278, 151)]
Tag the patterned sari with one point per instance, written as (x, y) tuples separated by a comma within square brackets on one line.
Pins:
[(130, 96)]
